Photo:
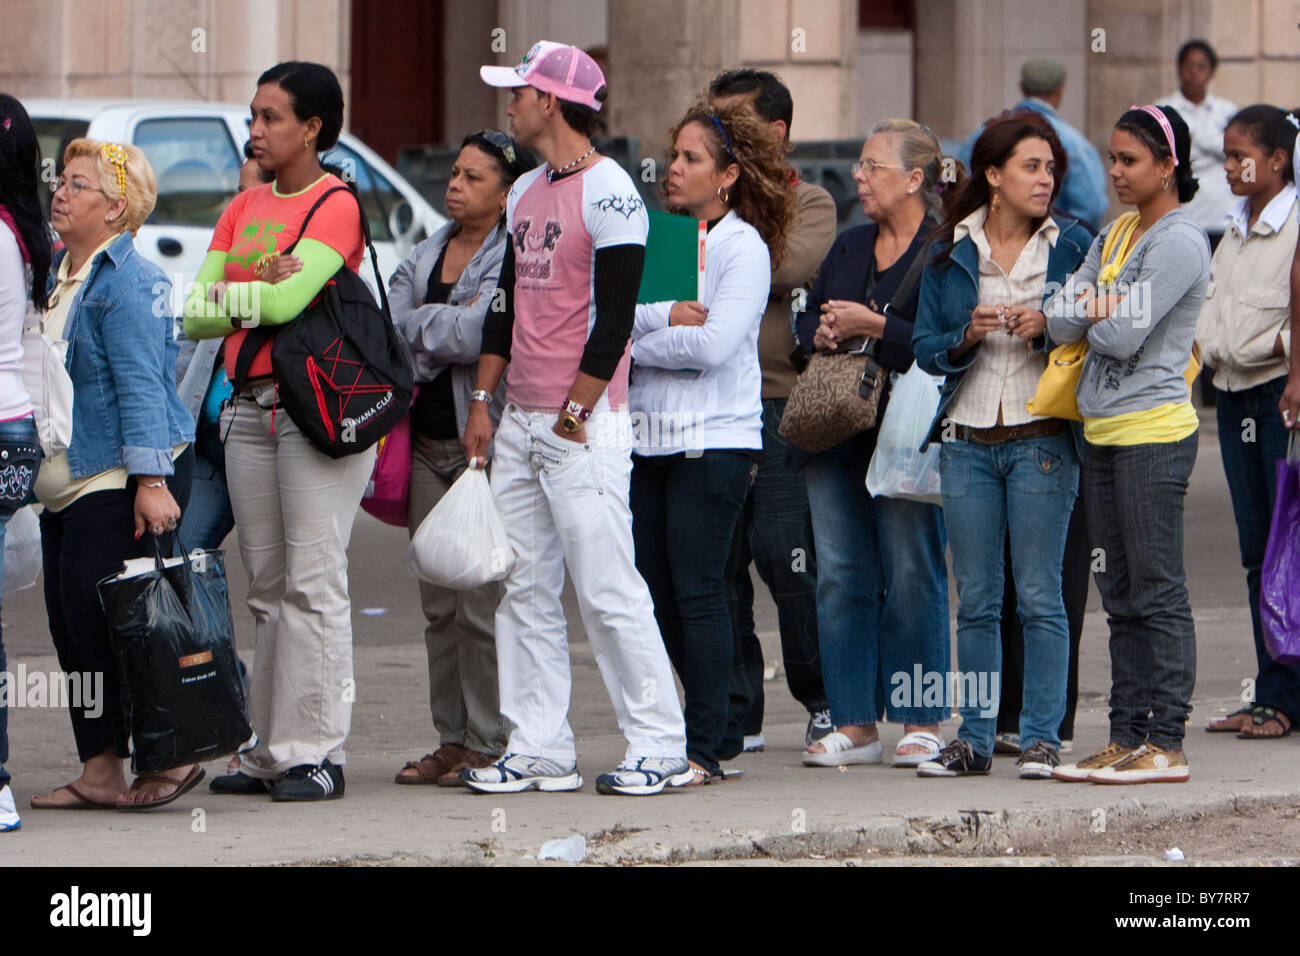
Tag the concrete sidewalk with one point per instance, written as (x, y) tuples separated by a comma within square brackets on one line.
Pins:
[(778, 809)]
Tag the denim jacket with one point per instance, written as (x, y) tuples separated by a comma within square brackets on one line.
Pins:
[(122, 360), (949, 291)]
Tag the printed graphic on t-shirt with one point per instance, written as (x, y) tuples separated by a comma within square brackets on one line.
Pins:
[(257, 239), (624, 205), (535, 248)]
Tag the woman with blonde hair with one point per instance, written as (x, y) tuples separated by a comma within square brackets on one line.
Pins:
[(126, 472), (882, 588)]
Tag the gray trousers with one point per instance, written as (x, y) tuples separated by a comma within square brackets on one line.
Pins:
[(461, 636)]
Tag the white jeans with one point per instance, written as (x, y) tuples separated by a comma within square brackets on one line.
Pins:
[(294, 507), (566, 504)]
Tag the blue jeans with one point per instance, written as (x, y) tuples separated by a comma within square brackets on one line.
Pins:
[(684, 513), (1250, 458), (208, 517), (775, 522), (882, 592), (1026, 487), (20, 460), (1134, 499)]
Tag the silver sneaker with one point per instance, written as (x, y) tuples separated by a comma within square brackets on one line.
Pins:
[(514, 773), (641, 777)]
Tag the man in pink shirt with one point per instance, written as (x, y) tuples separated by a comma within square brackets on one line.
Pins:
[(563, 453)]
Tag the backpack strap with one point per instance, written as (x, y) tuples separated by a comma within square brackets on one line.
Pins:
[(259, 336)]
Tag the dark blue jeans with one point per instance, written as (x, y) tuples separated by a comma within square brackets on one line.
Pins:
[(1134, 495), (882, 593), (775, 532), (208, 518), (1252, 440), (20, 460), (684, 513)]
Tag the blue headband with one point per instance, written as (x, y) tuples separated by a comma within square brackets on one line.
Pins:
[(726, 140)]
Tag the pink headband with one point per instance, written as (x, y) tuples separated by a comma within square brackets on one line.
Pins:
[(1159, 116)]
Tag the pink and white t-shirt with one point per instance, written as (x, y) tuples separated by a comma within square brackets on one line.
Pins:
[(556, 229)]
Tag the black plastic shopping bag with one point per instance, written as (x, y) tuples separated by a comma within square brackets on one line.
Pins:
[(174, 642)]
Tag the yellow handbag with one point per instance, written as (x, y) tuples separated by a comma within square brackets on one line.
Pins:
[(1056, 395)]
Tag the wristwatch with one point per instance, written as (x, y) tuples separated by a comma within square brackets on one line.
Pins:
[(573, 415), (478, 395)]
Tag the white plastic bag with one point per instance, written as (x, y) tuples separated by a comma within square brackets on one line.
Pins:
[(22, 555), (46, 379), (462, 542), (898, 468)]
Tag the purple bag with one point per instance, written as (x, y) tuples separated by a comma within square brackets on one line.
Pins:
[(1279, 586)]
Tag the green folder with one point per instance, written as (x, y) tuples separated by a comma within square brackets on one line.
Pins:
[(672, 267)]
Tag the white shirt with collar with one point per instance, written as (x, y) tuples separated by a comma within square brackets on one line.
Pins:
[(1005, 373), (1248, 301), (1206, 121)]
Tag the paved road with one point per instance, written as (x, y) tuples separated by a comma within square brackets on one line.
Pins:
[(778, 805)]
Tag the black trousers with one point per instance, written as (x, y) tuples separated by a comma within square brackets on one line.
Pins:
[(1074, 590), (80, 545)]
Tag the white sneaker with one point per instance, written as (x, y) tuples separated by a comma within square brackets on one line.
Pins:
[(641, 777), (754, 743), (514, 773), (8, 812)]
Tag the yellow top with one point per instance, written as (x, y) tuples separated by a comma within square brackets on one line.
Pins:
[(1164, 423), (55, 487)]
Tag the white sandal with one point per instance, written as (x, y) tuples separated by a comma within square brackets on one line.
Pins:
[(920, 738), (841, 752)]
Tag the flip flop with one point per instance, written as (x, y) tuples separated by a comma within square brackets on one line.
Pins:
[(182, 787), (1244, 712), (85, 802), (919, 738), (840, 752), (1261, 715)]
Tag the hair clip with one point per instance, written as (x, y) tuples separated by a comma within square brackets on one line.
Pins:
[(1290, 118), (7, 121), (509, 154), (116, 155)]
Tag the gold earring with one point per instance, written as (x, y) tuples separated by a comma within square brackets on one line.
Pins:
[(722, 197), (996, 204), (306, 144), (1164, 183)]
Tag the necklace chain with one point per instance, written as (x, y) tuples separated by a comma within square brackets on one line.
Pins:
[(552, 173)]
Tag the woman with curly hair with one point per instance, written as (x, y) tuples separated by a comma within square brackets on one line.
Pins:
[(696, 409)]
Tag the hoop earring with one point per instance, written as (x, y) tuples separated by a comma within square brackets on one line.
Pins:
[(306, 144), (996, 204), (723, 197), (1164, 183)]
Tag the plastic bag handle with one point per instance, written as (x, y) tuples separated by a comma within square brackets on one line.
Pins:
[(185, 554)]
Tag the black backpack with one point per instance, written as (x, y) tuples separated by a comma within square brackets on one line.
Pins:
[(343, 374)]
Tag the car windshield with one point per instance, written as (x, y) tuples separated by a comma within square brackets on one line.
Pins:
[(53, 136)]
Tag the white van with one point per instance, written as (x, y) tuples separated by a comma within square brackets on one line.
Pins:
[(196, 150)]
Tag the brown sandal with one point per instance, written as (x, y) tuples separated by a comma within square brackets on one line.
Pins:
[(179, 788), (474, 760), (432, 766)]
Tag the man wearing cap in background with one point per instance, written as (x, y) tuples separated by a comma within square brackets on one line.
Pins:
[(572, 268), (1083, 194)]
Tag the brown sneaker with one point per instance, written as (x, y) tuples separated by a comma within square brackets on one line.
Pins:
[(470, 760), (430, 767), (1147, 764), (1080, 772)]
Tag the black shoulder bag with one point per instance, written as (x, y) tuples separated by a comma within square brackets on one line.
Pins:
[(342, 372)]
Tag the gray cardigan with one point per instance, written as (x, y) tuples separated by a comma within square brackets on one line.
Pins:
[(449, 335), (1136, 358)]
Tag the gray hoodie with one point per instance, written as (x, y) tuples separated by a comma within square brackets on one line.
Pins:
[(1136, 358)]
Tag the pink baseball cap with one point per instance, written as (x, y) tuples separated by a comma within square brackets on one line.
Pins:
[(554, 68)]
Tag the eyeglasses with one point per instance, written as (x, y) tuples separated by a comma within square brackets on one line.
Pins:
[(77, 186), (870, 166)]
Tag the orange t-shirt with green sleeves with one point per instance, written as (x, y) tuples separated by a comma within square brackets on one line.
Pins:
[(260, 222)]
